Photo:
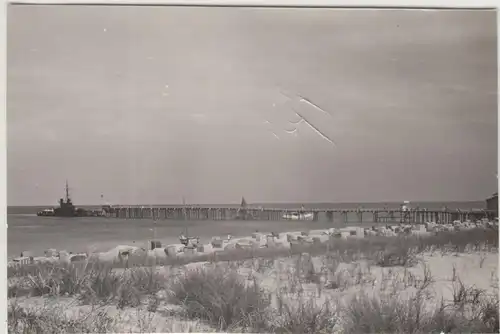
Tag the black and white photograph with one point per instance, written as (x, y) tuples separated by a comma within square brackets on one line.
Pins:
[(251, 169)]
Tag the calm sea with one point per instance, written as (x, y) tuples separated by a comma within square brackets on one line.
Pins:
[(27, 232)]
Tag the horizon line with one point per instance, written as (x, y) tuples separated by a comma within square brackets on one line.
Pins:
[(265, 203)]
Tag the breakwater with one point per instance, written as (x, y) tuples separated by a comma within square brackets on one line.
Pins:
[(280, 214)]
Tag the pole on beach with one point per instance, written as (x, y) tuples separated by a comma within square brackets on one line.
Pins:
[(153, 243), (184, 216), (154, 231), (154, 226)]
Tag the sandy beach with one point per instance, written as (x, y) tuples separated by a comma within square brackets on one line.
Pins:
[(455, 268), (35, 234)]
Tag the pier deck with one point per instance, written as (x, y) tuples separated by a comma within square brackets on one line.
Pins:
[(277, 214)]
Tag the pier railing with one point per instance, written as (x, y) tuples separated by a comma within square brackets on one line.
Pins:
[(280, 214)]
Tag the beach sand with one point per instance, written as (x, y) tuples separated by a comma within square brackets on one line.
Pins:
[(36, 234)]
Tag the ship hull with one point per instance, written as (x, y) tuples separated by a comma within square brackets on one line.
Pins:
[(56, 214), (69, 215), (78, 213), (45, 214)]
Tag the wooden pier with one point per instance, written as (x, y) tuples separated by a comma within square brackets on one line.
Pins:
[(344, 216)]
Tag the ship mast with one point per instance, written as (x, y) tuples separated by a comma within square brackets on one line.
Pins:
[(67, 191)]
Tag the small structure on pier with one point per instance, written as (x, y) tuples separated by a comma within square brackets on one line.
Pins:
[(405, 212)]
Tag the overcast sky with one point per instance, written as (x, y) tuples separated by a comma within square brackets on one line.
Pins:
[(150, 104)]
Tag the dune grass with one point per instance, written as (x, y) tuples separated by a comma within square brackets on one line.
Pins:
[(219, 296), (90, 282), (386, 314), (51, 320)]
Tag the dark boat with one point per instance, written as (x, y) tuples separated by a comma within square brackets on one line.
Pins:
[(65, 209)]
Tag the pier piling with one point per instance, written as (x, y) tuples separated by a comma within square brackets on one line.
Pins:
[(345, 216)]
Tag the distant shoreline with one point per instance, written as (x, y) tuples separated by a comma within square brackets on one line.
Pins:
[(265, 204), (465, 205)]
